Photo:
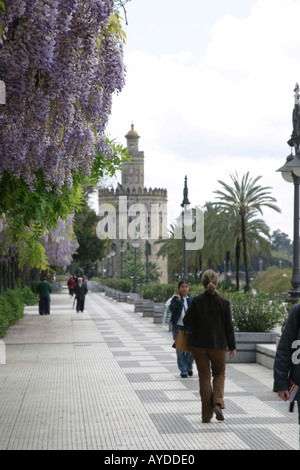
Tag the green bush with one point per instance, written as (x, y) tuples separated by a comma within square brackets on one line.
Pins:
[(12, 306), (33, 286), (157, 292), (123, 285), (273, 281), (255, 312)]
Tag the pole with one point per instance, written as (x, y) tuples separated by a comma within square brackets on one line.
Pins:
[(134, 277), (185, 202), (295, 281)]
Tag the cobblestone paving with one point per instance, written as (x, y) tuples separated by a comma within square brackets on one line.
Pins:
[(107, 379)]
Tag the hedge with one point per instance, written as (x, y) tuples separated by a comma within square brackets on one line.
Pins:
[(256, 312), (12, 306), (123, 285)]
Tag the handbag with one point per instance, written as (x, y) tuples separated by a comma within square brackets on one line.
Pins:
[(167, 314), (182, 341)]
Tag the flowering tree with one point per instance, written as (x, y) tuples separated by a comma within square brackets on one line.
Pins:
[(61, 65), (60, 243), (61, 62)]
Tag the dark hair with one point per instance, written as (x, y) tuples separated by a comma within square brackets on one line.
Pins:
[(210, 281), (182, 282)]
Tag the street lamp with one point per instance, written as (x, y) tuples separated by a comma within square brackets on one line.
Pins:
[(122, 250), (112, 254), (108, 256), (135, 244), (290, 172), (147, 253), (184, 203)]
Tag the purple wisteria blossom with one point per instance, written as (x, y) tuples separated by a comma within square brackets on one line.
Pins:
[(60, 243), (59, 85)]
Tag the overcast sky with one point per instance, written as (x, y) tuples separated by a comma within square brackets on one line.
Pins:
[(209, 89)]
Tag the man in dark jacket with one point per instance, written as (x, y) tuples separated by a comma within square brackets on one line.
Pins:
[(44, 290), (287, 359), (80, 291)]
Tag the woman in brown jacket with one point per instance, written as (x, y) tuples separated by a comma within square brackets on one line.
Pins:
[(209, 317)]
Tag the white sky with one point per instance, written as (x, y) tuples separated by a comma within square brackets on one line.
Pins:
[(209, 89)]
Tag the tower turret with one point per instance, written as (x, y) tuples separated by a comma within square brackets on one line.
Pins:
[(133, 171)]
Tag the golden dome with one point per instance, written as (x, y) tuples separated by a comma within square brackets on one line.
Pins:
[(132, 132)]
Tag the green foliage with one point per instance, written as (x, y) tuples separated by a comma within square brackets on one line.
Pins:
[(90, 246), (157, 292), (2, 6), (12, 306), (255, 312), (29, 212), (128, 266), (107, 163), (196, 289), (273, 281), (33, 286), (123, 285)]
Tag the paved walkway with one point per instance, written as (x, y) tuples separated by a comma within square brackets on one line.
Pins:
[(107, 379)]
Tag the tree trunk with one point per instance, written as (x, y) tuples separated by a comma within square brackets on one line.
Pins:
[(237, 263), (247, 286), (227, 266)]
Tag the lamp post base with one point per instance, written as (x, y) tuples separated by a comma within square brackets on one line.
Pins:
[(294, 295)]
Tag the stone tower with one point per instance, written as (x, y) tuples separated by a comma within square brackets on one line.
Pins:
[(152, 202), (133, 171)]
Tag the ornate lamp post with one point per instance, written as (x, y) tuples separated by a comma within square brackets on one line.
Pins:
[(147, 253), (184, 203), (291, 173), (122, 249), (112, 254), (135, 245)]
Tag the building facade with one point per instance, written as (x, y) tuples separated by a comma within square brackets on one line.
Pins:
[(140, 213)]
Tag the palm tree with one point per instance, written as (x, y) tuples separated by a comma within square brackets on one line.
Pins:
[(224, 236), (245, 197), (172, 248)]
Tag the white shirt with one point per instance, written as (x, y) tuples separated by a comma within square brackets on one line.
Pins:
[(184, 309)]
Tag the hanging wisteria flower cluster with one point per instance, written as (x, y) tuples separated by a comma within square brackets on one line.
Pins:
[(60, 243), (61, 65)]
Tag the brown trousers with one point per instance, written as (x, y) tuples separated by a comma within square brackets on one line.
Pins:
[(210, 362)]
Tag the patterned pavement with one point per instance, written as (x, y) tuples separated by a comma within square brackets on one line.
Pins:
[(107, 379)]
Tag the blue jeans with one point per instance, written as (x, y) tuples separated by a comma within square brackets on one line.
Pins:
[(44, 305), (80, 305), (184, 359)]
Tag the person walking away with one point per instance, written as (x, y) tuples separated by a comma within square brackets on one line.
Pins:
[(209, 318), (178, 306), (44, 290), (71, 285), (80, 291), (287, 359)]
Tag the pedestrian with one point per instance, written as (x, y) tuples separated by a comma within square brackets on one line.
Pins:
[(212, 332), (44, 289), (287, 359), (178, 306), (71, 285), (80, 291)]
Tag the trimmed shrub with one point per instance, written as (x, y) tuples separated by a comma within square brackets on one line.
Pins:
[(123, 285), (12, 306), (255, 312), (158, 292)]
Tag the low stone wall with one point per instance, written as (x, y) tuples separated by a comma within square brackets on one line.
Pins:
[(246, 344), (265, 355)]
